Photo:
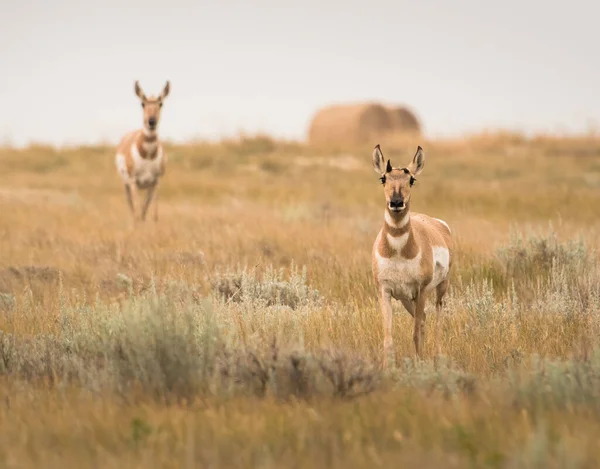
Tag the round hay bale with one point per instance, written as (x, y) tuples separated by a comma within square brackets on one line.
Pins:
[(359, 123), (404, 120), (352, 123)]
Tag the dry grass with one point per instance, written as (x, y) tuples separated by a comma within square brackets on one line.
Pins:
[(242, 330)]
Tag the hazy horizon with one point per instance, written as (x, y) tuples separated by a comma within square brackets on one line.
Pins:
[(69, 68)]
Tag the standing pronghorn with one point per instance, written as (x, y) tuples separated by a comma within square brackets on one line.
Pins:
[(140, 157), (412, 253)]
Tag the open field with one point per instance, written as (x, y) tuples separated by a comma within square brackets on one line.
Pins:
[(242, 329)]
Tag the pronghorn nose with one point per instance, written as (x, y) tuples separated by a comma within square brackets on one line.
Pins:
[(397, 203), (152, 121)]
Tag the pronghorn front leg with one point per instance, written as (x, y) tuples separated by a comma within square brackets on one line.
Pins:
[(419, 333), (156, 204), (149, 196), (385, 303), (131, 193)]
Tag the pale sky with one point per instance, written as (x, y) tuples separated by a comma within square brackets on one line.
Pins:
[(67, 67)]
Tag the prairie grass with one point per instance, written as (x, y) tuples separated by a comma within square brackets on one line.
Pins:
[(242, 330)]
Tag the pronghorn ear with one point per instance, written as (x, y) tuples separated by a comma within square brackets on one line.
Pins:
[(418, 162), (378, 161), (138, 91), (165, 91)]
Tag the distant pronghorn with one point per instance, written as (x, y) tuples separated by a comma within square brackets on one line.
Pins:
[(412, 253), (140, 157)]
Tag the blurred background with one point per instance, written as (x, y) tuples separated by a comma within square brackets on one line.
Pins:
[(68, 67)]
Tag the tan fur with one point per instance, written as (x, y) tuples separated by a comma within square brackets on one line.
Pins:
[(412, 254), (140, 158), (137, 137)]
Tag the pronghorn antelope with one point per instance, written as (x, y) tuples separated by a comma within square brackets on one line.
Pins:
[(140, 157), (412, 254)]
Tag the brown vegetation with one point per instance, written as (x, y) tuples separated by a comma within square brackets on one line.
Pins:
[(243, 329)]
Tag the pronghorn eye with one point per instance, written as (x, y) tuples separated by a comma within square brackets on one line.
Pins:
[(160, 104), (412, 180), (143, 104), (382, 178)]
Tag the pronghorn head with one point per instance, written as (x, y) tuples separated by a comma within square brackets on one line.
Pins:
[(397, 182), (151, 105)]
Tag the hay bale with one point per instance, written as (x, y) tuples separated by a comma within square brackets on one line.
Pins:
[(352, 123), (359, 123), (404, 120)]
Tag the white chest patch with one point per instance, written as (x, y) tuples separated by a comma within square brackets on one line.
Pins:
[(400, 275), (404, 276), (149, 147), (146, 172), (397, 242)]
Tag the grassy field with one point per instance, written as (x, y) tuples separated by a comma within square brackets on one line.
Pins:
[(242, 329)]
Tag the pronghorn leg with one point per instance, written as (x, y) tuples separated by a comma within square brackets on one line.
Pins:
[(439, 304), (419, 333), (385, 302), (149, 196), (156, 204), (131, 193)]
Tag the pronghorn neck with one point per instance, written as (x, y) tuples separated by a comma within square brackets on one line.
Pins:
[(397, 237), (150, 134), (147, 143), (397, 223)]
